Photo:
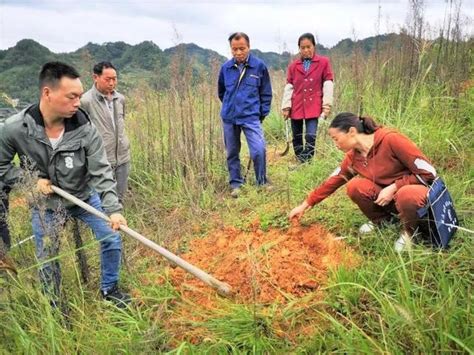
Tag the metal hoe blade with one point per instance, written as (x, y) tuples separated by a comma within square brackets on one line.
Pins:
[(287, 134)]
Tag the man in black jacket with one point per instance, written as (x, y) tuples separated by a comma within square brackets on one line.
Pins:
[(63, 148)]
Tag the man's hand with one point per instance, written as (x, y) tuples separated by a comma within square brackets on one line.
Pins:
[(286, 113), (44, 186), (298, 211), (326, 111), (116, 219), (386, 195)]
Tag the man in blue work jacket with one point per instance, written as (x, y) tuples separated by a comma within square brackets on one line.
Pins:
[(246, 93)]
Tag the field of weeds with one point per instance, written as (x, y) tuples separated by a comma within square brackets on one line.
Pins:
[(316, 287)]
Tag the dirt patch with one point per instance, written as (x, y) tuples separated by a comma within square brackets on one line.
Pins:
[(264, 267)]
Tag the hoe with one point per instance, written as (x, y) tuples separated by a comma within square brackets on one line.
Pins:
[(221, 287)]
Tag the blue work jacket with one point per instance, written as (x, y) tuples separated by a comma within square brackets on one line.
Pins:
[(246, 97)]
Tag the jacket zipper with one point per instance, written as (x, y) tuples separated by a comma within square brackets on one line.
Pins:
[(116, 133), (241, 76)]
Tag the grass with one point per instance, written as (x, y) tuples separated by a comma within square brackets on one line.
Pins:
[(417, 302)]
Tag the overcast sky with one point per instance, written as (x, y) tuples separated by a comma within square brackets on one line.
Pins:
[(66, 25)]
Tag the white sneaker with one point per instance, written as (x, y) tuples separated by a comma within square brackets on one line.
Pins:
[(403, 243), (366, 228)]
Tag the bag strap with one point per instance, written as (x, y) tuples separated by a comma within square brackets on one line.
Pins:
[(421, 180), (425, 183), (421, 212)]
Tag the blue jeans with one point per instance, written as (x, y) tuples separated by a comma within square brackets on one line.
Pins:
[(304, 152), (257, 148), (46, 225)]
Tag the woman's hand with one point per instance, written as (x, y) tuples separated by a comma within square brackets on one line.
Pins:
[(386, 195), (298, 211), (326, 111), (286, 113)]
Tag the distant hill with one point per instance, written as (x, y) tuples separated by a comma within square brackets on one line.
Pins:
[(277, 61), (366, 45), (19, 65)]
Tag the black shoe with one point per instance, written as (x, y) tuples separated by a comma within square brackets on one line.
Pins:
[(117, 297)]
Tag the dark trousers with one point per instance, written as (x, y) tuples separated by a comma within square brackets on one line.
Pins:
[(4, 231), (304, 151)]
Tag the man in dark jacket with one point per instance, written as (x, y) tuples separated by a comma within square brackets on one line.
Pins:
[(245, 91), (63, 148), (4, 231), (5, 241)]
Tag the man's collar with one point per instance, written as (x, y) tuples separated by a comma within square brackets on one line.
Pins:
[(244, 62), (35, 112), (99, 94), (78, 119), (250, 61)]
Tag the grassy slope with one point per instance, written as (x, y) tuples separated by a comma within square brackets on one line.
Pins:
[(417, 302)]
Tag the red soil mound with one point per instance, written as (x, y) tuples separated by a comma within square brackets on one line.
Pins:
[(263, 267)]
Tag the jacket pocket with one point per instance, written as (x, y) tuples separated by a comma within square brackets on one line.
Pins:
[(230, 84), (125, 143), (71, 168), (252, 80), (120, 117), (124, 150), (251, 86)]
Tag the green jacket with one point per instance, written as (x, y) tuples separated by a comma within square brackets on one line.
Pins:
[(78, 165), (117, 145)]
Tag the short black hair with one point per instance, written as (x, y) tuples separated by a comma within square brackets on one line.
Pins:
[(307, 36), (99, 67), (52, 72), (239, 35)]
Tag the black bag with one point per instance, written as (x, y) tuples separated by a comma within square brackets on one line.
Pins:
[(439, 212)]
